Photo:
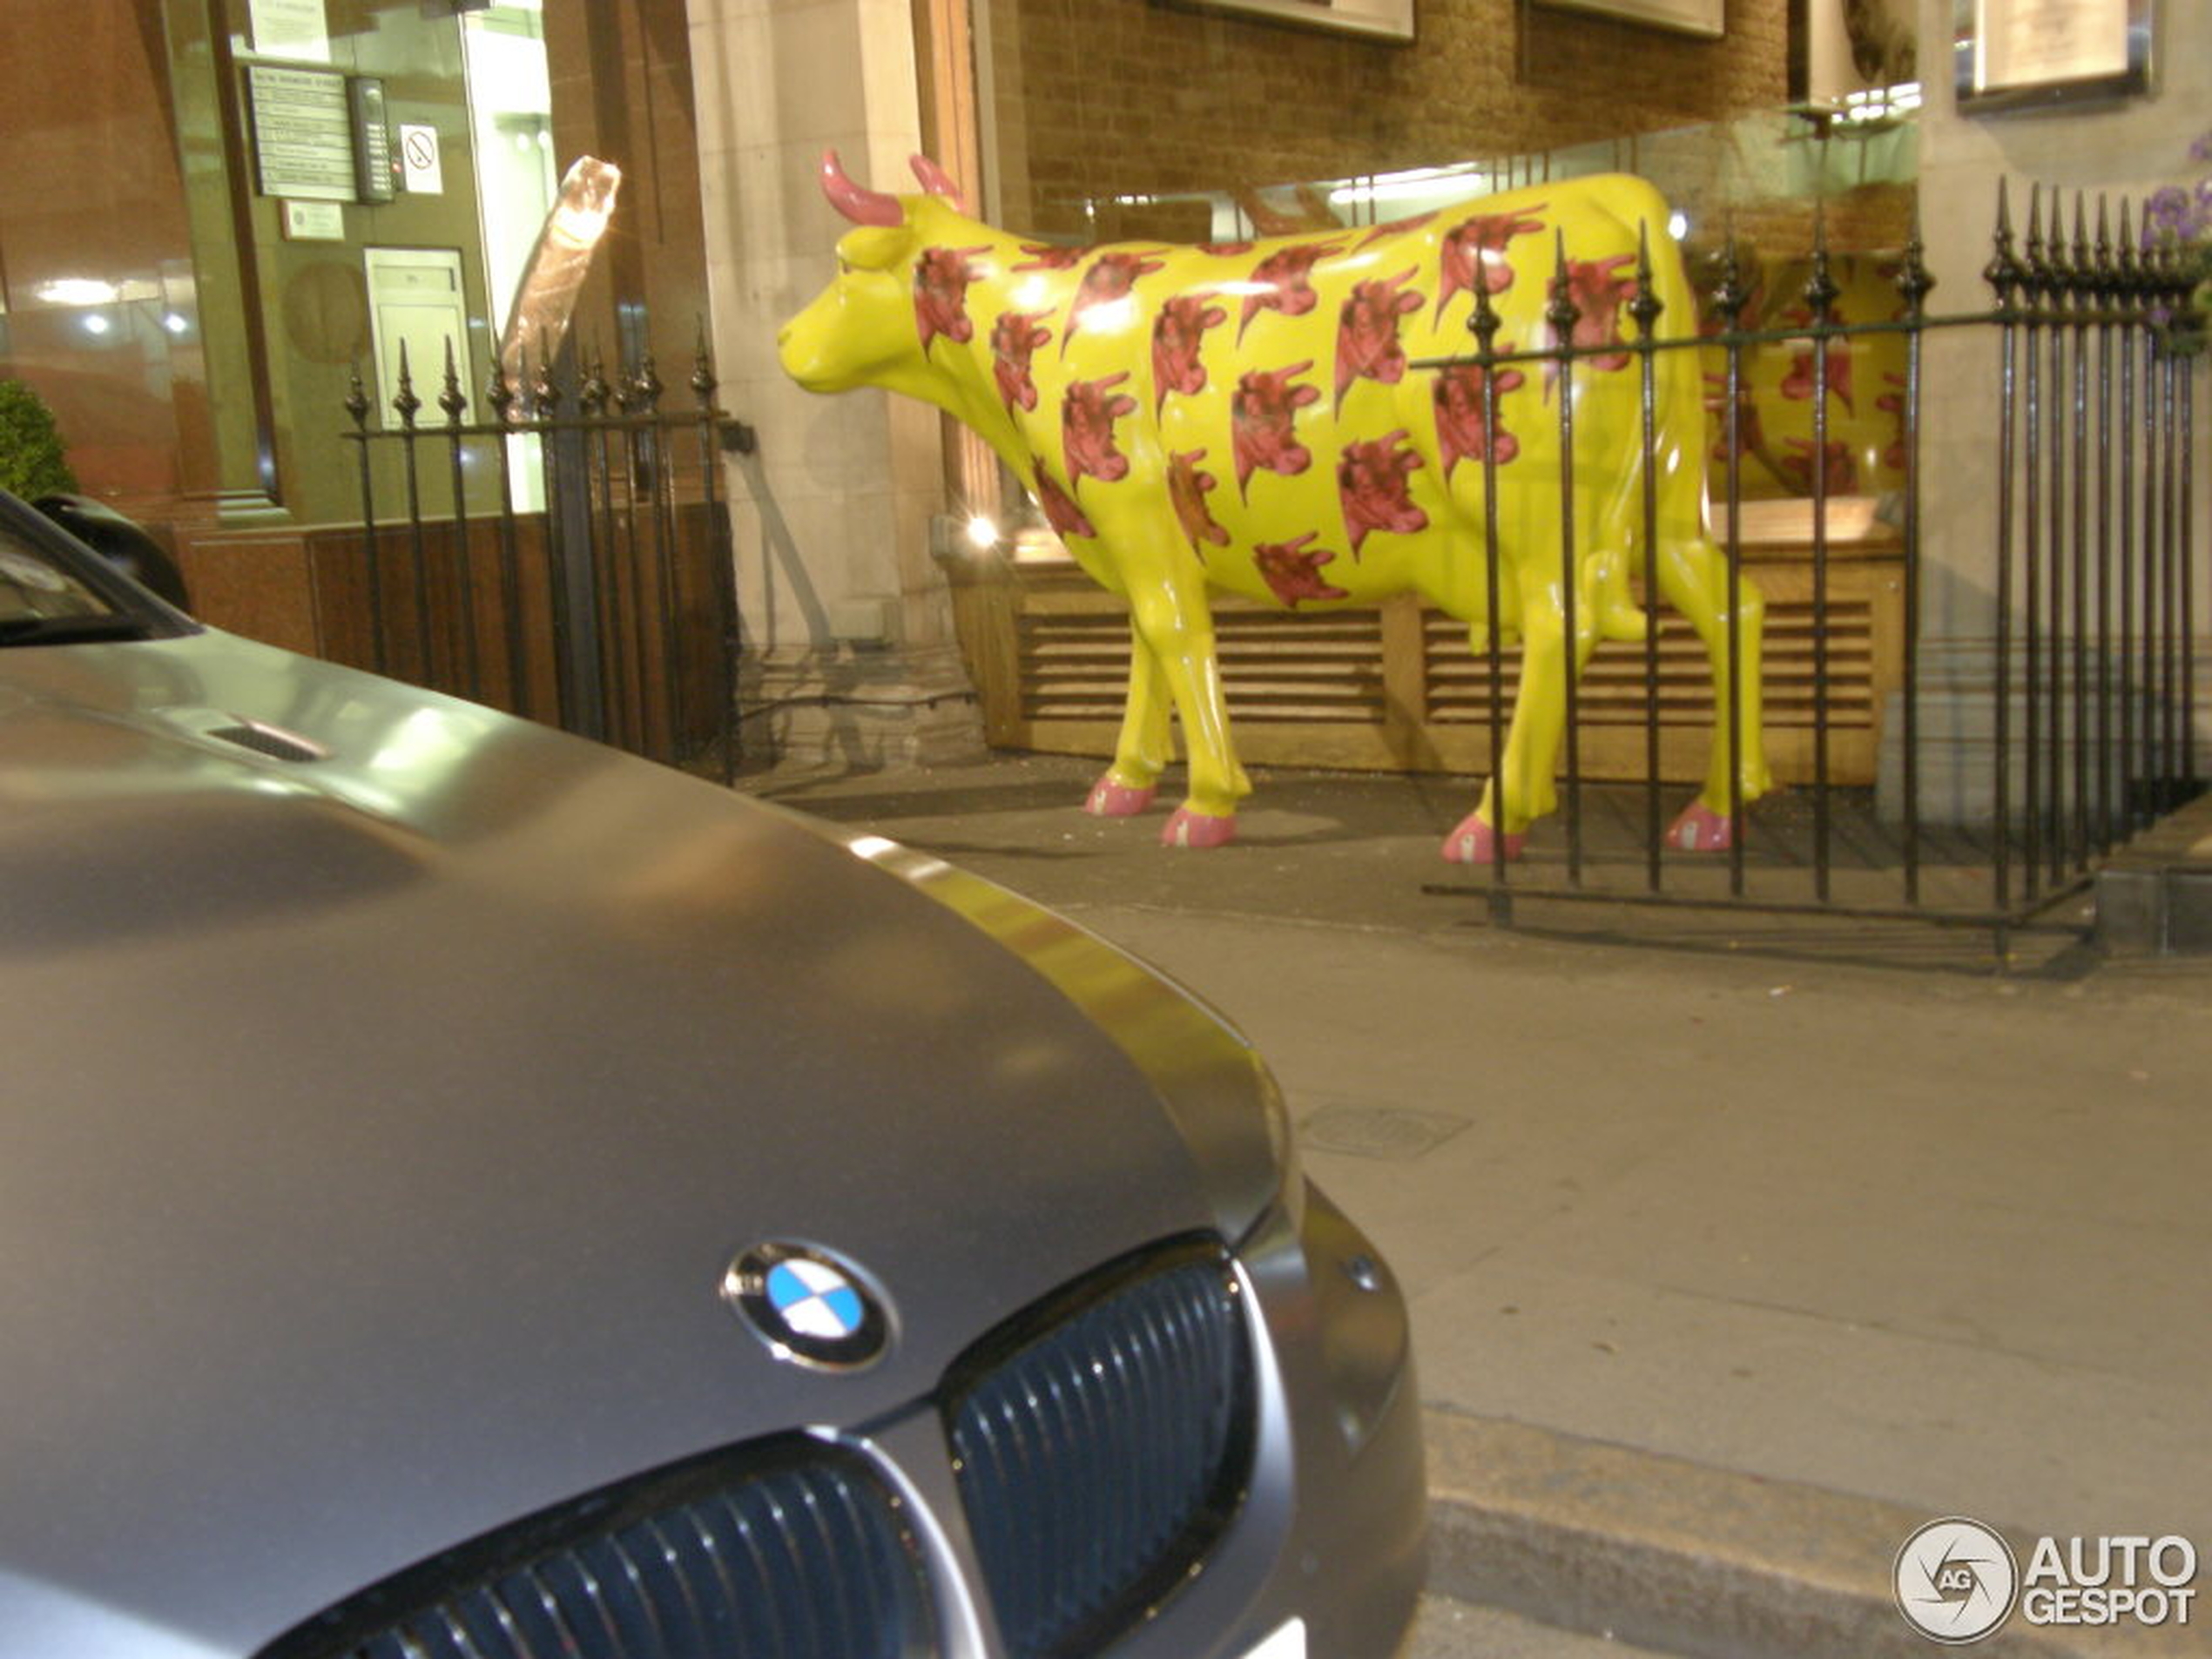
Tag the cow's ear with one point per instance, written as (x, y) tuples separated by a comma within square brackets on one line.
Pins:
[(875, 247)]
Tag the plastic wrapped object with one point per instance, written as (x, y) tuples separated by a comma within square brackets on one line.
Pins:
[(546, 296)]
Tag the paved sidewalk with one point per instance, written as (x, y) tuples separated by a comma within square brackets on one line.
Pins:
[(1729, 1262)]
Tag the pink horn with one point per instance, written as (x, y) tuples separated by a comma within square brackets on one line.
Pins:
[(938, 182), (861, 205)]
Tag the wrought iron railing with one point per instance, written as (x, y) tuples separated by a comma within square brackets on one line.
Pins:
[(2090, 558), (611, 610)]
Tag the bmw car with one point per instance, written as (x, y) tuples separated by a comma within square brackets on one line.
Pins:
[(471, 1194)]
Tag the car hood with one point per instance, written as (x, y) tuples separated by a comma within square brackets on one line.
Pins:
[(390, 1082)]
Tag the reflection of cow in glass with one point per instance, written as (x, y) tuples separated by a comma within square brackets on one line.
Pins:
[(1356, 477)]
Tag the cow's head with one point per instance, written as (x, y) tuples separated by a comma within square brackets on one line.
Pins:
[(864, 328)]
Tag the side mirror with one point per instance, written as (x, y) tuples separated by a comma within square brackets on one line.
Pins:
[(121, 543)]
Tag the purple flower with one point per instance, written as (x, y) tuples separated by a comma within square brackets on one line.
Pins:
[(2201, 150), (2162, 214)]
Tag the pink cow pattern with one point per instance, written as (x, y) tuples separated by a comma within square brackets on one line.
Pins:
[(1462, 417), (1797, 384), (1367, 343), (1263, 423), (1087, 417), (941, 276), (1188, 487), (1176, 338), (1891, 404), (1108, 281), (1294, 569), (1475, 250), (1109, 377), (1015, 338), (1375, 474), (1061, 510), (1282, 282), (1051, 256), (1372, 483), (1597, 290), (1778, 421)]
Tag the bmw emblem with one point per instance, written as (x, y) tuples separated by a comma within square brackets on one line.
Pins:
[(807, 1305)]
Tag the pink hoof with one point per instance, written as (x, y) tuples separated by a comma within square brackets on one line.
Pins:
[(1475, 842), (1700, 829), (1189, 828), (1110, 800)]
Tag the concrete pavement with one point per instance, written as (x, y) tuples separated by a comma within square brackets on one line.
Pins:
[(1736, 1248)]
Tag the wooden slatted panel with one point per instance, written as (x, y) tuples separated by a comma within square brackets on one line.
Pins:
[(1310, 689), (1613, 691), (1276, 667)]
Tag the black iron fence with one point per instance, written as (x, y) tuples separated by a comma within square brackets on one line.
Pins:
[(2086, 558), (605, 600), (565, 555)]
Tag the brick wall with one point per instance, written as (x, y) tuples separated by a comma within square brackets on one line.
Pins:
[(1111, 96)]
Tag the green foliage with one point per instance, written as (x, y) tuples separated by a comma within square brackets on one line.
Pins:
[(31, 462)]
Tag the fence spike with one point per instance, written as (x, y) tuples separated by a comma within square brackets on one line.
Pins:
[(1730, 296), (2058, 265), (1560, 312), (357, 397), (1484, 320), (545, 396), (405, 402), (648, 383), (2041, 280), (593, 393), (702, 384), (2080, 269), (498, 393), (1914, 282), (2004, 272), (1647, 304), (2127, 275), (451, 399), (1821, 291), (2173, 282)]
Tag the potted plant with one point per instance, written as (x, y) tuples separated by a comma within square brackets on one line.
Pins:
[(31, 459)]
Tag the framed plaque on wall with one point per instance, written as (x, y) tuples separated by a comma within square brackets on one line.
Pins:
[(2013, 54), (1385, 19), (1707, 17)]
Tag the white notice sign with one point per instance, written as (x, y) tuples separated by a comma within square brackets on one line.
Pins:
[(313, 222), (290, 29), (420, 161)]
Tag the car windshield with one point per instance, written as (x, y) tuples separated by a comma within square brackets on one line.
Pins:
[(45, 602)]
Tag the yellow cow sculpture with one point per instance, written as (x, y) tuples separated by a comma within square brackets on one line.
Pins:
[(1244, 419)]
